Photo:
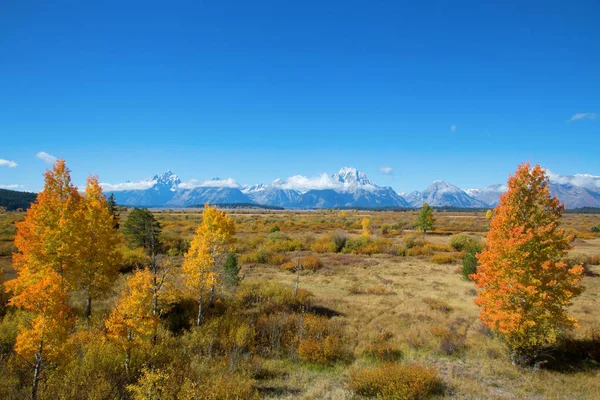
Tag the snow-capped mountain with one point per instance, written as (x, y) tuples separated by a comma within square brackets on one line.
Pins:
[(443, 194), (351, 179), (489, 195), (346, 188), (575, 196), (161, 189), (273, 195), (208, 194), (575, 191)]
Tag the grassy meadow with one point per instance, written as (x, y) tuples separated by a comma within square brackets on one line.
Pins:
[(392, 298)]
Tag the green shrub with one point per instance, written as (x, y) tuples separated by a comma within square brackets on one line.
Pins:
[(260, 256), (279, 242), (464, 242), (367, 245), (413, 240), (469, 265), (339, 239)]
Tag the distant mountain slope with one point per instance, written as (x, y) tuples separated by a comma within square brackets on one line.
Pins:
[(211, 195), (575, 196), (13, 200), (346, 188), (572, 196), (489, 195), (443, 194), (273, 195)]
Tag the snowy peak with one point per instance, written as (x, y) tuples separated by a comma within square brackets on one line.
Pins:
[(253, 188), (443, 194), (352, 177), (167, 179), (442, 187)]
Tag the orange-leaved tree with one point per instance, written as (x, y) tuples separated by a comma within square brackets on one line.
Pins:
[(47, 239), (131, 324), (208, 249), (42, 342), (99, 257), (46, 264), (525, 285)]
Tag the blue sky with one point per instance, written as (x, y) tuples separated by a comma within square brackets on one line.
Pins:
[(262, 90)]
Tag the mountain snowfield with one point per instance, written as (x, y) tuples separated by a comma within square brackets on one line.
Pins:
[(346, 188)]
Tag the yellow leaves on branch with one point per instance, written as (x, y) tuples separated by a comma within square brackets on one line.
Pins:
[(99, 257), (131, 323), (66, 242), (366, 226), (207, 249), (525, 285), (48, 237), (50, 327)]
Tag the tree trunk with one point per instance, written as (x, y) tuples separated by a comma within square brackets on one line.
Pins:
[(127, 361), (211, 302), (36, 371), (199, 319), (88, 307)]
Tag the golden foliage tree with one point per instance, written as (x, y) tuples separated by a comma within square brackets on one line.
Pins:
[(47, 239), (99, 257), (46, 264), (43, 340), (366, 226), (208, 249), (526, 288), (131, 324)]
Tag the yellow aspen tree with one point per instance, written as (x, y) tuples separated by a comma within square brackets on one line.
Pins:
[(99, 257), (366, 226), (46, 263), (525, 286), (208, 249), (42, 342), (131, 324), (47, 239)]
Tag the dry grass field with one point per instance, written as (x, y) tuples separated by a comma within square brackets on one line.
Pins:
[(398, 301)]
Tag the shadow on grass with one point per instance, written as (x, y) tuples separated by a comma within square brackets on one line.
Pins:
[(325, 312), (573, 355)]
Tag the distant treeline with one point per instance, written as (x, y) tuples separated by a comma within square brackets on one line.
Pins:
[(584, 210), (396, 208), (13, 200), (233, 206)]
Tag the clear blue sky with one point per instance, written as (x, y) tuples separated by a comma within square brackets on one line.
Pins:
[(258, 90)]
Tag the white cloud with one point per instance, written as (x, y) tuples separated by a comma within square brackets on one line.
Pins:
[(386, 170), (12, 187), (7, 163), (303, 183), (119, 187), (320, 182), (453, 128), (45, 157), (583, 180), (582, 116), (194, 183)]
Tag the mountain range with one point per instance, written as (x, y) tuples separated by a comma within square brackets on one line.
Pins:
[(346, 188)]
